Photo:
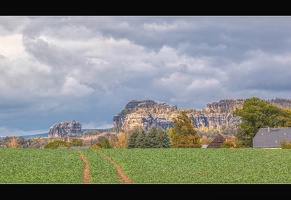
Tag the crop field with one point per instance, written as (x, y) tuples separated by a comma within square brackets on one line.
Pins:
[(40, 166), (163, 166)]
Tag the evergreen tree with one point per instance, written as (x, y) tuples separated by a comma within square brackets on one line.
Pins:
[(162, 139), (141, 139), (152, 140), (132, 138)]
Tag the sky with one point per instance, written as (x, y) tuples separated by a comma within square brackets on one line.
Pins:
[(87, 68)]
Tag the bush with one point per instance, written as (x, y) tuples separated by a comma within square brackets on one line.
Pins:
[(105, 144), (285, 145), (57, 143), (227, 144), (76, 142), (97, 145)]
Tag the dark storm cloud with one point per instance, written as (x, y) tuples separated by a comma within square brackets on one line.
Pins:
[(262, 72), (50, 54)]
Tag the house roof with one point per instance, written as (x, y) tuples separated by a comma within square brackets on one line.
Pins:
[(271, 137), (217, 141)]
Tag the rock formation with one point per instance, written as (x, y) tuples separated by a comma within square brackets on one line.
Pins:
[(216, 116), (65, 129), (145, 114)]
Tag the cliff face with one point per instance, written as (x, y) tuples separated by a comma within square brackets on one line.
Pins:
[(148, 113), (145, 113), (280, 102), (216, 116), (65, 129)]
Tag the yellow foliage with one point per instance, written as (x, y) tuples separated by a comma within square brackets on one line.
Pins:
[(13, 143), (120, 141), (183, 133)]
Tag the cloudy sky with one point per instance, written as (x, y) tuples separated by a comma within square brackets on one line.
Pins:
[(87, 68)]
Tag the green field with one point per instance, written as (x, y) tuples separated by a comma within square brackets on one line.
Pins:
[(36, 165), (169, 165)]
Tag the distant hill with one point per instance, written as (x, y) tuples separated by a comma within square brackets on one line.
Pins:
[(30, 136), (35, 135), (46, 134)]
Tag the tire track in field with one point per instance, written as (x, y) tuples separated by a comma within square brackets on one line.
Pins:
[(122, 176), (86, 175)]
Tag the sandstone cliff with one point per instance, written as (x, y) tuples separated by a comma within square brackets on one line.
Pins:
[(65, 129), (145, 113), (148, 113), (217, 116)]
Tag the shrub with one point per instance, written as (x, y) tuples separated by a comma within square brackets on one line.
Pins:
[(105, 144), (76, 142), (285, 145), (227, 144), (57, 143), (97, 145)]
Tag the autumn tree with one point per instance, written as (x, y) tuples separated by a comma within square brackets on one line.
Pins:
[(120, 141), (13, 142), (284, 118), (205, 140), (183, 133)]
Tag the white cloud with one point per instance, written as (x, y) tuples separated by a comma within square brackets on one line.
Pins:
[(11, 45), (73, 88), (203, 84)]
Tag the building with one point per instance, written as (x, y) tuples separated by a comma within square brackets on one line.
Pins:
[(217, 141), (271, 137)]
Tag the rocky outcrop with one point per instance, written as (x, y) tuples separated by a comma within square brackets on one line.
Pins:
[(216, 116), (148, 113), (65, 129), (224, 106), (280, 102), (145, 114)]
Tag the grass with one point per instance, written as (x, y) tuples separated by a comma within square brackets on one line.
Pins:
[(150, 166)]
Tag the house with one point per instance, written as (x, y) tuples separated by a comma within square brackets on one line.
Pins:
[(271, 137), (217, 141)]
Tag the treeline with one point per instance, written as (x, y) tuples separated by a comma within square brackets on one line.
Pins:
[(21, 142), (181, 135), (254, 114)]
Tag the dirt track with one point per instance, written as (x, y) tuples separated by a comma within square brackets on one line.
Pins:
[(120, 173), (86, 175)]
